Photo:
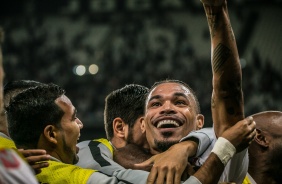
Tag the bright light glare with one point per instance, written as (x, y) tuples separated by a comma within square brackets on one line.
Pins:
[(79, 70), (93, 69)]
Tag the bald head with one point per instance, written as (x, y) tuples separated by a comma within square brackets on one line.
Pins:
[(269, 121), (266, 149)]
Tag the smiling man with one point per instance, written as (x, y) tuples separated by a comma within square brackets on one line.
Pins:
[(43, 117), (172, 112), (172, 109)]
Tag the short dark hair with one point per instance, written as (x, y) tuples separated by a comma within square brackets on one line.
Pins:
[(13, 88), (31, 111), (197, 104), (127, 103)]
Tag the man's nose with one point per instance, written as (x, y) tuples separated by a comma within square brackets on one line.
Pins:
[(80, 124), (168, 108)]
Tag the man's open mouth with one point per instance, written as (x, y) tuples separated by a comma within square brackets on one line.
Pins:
[(167, 124)]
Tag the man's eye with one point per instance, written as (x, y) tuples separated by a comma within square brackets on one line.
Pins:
[(156, 104), (180, 102)]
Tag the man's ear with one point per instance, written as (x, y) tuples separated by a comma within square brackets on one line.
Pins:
[(143, 125), (261, 139), (119, 128), (50, 133), (200, 121)]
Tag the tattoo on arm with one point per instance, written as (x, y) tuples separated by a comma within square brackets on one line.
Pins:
[(231, 110), (221, 54), (212, 20), (235, 96), (212, 24), (213, 17)]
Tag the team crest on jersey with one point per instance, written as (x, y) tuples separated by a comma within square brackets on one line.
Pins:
[(8, 159)]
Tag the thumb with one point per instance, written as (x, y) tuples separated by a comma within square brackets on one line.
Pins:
[(146, 165)]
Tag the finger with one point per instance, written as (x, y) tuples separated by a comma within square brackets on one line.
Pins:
[(251, 137), (33, 159), (177, 177), (152, 176), (253, 134), (250, 119), (32, 152), (253, 125), (142, 167), (169, 178), (146, 163), (161, 176), (40, 165)]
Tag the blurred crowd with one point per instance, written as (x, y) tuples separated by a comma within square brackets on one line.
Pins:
[(128, 48)]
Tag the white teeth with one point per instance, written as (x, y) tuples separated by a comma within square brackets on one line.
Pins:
[(167, 122)]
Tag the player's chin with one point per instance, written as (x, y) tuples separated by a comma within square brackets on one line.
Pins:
[(75, 156), (75, 159)]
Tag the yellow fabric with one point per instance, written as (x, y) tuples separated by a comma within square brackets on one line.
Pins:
[(60, 173), (7, 143), (10, 144), (106, 143), (246, 180)]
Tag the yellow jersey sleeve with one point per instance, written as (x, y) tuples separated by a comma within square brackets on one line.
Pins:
[(60, 173), (7, 143)]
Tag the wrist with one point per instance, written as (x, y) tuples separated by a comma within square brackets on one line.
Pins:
[(224, 150), (188, 147)]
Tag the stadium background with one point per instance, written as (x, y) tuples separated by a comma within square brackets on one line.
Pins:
[(138, 41)]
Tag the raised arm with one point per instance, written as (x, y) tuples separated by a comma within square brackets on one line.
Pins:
[(227, 96)]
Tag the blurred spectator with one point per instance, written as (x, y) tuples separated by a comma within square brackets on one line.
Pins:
[(128, 47)]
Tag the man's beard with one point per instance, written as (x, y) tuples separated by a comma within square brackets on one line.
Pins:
[(274, 164), (164, 144), (70, 151)]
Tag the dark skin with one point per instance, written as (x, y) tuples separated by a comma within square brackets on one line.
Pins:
[(136, 155), (265, 150), (36, 158), (240, 135), (227, 95)]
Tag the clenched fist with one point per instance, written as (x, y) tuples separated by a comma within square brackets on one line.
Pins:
[(213, 2)]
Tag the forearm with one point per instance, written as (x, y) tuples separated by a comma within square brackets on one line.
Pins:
[(211, 171), (186, 148), (227, 97), (213, 167), (220, 31), (204, 138)]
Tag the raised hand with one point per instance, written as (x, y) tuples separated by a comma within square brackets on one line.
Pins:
[(241, 134)]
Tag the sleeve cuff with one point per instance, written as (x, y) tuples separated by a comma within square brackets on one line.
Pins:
[(205, 138)]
